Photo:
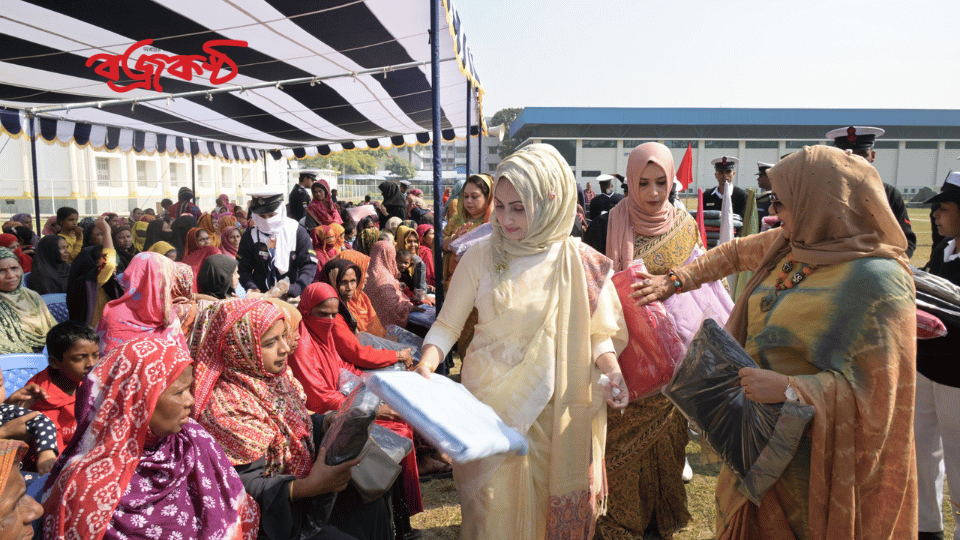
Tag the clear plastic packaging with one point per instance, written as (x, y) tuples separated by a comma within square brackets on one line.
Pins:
[(937, 296), (688, 309), (462, 244), (350, 428), (447, 415), (654, 349), (757, 441)]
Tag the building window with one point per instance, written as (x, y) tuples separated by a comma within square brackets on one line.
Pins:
[(951, 145), (567, 149), (173, 174), (889, 145), (492, 168), (204, 176), (630, 144), (589, 143), (801, 144), (761, 144), (680, 144), (921, 145), (590, 174), (226, 177), (108, 173), (722, 144), (146, 174), (493, 150)]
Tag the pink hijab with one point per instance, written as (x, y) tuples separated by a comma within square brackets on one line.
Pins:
[(146, 307), (391, 305), (630, 215)]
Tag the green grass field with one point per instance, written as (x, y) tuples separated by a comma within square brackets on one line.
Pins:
[(441, 519)]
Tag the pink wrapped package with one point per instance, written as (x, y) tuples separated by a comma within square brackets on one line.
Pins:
[(689, 309), (929, 326), (654, 349), (360, 212)]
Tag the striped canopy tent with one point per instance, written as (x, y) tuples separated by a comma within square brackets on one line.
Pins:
[(311, 77), (298, 78)]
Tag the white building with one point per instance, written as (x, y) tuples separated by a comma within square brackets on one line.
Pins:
[(918, 150), (95, 181)]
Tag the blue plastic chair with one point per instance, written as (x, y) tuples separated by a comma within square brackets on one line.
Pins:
[(57, 304), (18, 368)]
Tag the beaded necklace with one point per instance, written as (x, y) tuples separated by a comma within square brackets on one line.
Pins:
[(783, 283)]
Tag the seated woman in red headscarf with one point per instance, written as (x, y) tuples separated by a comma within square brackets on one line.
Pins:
[(343, 276), (248, 399), (316, 364), (138, 467)]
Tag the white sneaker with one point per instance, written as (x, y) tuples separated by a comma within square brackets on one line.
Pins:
[(687, 472)]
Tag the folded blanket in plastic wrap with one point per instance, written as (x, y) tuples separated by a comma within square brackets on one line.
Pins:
[(937, 296), (448, 415), (688, 309), (756, 440), (350, 428)]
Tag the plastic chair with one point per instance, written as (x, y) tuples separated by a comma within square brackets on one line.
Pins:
[(18, 368), (57, 304)]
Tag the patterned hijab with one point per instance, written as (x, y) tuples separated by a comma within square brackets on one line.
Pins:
[(390, 304), (251, 413), (24, 317), (146, 307), (113, 475), (366, 238)]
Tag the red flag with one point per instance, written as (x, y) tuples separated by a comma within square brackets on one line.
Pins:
[(685, 170)]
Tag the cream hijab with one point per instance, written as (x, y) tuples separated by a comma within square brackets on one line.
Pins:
[(548, 191), (630, 216), (840, 213)]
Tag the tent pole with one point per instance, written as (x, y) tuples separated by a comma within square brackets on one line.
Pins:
[(435, 144), (36, 182), (193, 170), (468, 129), (479, 138)]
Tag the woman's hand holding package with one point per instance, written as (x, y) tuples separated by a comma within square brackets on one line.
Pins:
[(323, 478), (763, 385), (651, 288)]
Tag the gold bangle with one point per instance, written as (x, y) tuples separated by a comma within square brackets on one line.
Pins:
[(291, 489)]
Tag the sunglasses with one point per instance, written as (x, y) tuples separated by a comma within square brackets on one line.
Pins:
[(775, 204)]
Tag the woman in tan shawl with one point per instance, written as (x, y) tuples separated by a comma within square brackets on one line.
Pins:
[(548, 315), (830, 316)]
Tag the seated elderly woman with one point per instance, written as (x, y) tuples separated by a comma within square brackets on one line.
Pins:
[(18, 510), (317, 365), (24, 317), (830, 318), (250, 402), (138, 466)]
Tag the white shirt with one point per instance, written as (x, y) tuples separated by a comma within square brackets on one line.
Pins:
[(950, 252)]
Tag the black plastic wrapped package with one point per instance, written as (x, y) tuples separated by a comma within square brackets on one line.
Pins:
[(350, 428), (937, 296), (757, 441)]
